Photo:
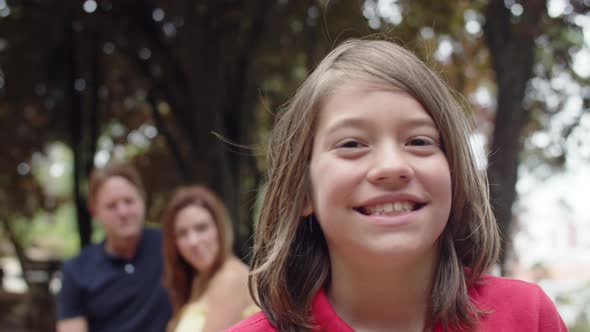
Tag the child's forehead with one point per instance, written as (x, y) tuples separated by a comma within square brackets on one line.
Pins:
[(357, 103), (350, 88), (366, 86)]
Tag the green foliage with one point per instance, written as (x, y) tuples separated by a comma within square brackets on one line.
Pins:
[(563, 299), (52, 231), (582, 324)]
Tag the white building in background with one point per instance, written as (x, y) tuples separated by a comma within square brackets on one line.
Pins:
[(552, 238)]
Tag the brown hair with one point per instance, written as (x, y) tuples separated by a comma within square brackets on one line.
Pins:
[(100, 175), (179, 274), (290, 261)]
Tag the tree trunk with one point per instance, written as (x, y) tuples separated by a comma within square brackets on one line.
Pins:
[(75, 111), (512, 49), (95, 104)]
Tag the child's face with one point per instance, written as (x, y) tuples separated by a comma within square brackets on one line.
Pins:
[(380, 182)]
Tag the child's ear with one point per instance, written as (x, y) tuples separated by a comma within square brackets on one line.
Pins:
[(307, 207)]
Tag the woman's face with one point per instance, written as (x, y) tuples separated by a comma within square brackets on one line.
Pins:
[(197, 237)]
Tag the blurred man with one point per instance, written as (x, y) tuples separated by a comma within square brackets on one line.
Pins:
[(115, 285)]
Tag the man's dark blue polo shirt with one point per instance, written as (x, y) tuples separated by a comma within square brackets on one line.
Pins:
[(114, 294)]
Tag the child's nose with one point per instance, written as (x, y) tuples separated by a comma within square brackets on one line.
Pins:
[(390, 167)]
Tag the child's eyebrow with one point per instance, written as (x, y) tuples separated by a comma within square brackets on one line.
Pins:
[(421, 122), (353, 122), (357, 122)]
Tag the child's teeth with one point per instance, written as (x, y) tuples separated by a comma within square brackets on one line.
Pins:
[(390, 208)]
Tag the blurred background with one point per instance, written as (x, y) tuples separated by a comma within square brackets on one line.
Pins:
[(187, 91)]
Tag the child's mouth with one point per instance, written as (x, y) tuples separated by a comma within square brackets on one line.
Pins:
[(389, 209)]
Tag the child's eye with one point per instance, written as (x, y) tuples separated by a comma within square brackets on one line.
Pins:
[(350, 144), (421, 141)]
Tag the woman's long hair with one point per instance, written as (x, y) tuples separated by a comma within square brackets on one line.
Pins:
[(179, 275)]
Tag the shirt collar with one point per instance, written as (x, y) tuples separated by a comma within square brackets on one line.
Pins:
[(115, 258), (327, 319)]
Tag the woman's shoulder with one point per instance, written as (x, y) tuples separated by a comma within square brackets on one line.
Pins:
[(230, 281), (232, 271), (513, 303), (254, 323), (235, 265)]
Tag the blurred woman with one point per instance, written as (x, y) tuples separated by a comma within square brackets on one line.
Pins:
[(207, 284)]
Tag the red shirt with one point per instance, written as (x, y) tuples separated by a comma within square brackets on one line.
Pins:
[(514, 305)]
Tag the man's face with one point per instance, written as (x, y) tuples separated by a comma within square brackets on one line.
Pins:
[(120, 209)]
